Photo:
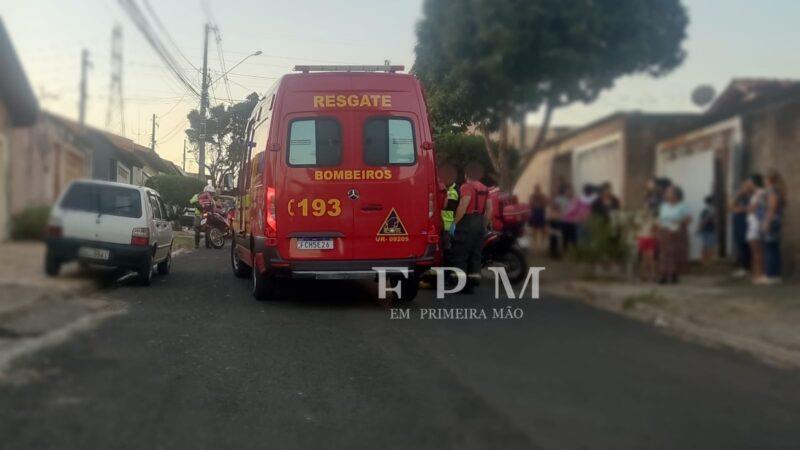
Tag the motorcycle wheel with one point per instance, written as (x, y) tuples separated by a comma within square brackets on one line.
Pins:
[(515, 263), (216, 237)]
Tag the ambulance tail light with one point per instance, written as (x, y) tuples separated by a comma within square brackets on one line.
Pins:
[(271, 223), (433, 234)]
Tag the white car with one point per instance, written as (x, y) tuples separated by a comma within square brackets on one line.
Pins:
[(112, 224)]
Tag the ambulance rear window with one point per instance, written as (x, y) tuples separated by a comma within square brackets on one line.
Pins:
[(315, 142), (389, 141)]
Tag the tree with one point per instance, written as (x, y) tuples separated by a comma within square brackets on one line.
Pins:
[(483, 62), (461, 149), (175, 191), (225, 139)]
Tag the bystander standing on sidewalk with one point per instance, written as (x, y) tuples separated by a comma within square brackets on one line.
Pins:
[(538, 203), (673, 220), (756, 211), (707, 229), (738, 209), (771, 227)]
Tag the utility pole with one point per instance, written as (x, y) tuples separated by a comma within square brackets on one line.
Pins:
[(85, 65), (201, 160), (153, 136), (184, 155), (116, 106)]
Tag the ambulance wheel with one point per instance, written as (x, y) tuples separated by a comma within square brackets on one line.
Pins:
[(240, 269), (263, 286), (409, 288)]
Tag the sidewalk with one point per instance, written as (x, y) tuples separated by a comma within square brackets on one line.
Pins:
[(707, 306), (36, 310)]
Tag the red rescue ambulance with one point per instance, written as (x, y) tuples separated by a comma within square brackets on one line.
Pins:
[(339, 178)]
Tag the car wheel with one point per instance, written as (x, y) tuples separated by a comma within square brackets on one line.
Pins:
[(166, 265), (263, 286), (51, 264), (145, 273), (240, 269)]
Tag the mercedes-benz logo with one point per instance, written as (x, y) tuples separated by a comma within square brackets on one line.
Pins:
[(353, 194)]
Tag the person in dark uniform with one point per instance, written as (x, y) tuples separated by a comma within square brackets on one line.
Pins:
[(472, 216)]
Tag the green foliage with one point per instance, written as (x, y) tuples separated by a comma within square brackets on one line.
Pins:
[(482, 61), (461, 149), (607, 243), (225, 135), (30, 223), (175, 191)]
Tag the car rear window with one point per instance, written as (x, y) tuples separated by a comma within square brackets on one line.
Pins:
[(389, 141), (315, 142), (105, 200)]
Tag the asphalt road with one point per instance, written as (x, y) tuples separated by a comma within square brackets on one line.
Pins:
[(197, 363)]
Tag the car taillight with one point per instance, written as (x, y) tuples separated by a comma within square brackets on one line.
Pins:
[(140, 237), (271, 223), (54, 231), (54, 228), (431, 204)]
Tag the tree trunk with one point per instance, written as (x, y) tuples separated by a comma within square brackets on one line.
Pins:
[(487, 142), (503, 178), (543, 128)]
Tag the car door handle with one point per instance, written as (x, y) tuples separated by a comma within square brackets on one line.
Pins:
[(372, 207)]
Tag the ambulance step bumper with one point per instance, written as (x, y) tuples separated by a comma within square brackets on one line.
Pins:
[(335, 275)]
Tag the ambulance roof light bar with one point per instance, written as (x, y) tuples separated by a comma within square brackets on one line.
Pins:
[(382, 68)]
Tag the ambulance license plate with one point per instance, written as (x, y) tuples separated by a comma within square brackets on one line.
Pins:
[(314, 244), (93, 253)]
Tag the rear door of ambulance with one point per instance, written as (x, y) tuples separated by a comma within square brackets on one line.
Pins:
[(314, 215), (391, 210)]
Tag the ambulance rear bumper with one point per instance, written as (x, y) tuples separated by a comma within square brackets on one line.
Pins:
[(339, 269), (354, 270)]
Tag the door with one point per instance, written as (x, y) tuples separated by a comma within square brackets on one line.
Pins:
[(390, 211), (694, 173), (599, 164), (314, 213), (160, 227)]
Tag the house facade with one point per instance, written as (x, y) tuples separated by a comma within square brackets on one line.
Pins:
[(752, 127), (18, 108), (618, 149)]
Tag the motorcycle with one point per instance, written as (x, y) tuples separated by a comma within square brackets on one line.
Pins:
[(216, 226), (500, 247)]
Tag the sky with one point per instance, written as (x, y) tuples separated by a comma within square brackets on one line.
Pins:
[(726, 39)]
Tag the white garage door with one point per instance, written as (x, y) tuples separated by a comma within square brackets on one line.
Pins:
[(598, 164), (694, 173)]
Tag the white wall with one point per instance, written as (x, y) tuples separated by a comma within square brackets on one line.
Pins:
[(598, 162)]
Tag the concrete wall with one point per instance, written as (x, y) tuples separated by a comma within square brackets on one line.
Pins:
[(5, 140), (44, 161), (772, 141), (643, 132), (544, 169)]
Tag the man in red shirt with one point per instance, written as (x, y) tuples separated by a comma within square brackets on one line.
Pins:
[(472, 216)]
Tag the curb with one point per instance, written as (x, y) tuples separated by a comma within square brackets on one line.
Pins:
[(695, 331)]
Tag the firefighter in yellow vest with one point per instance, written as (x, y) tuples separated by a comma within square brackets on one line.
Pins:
[(447, 179)]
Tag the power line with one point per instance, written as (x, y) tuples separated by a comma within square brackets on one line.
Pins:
[(166, 33), (141, 22)]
